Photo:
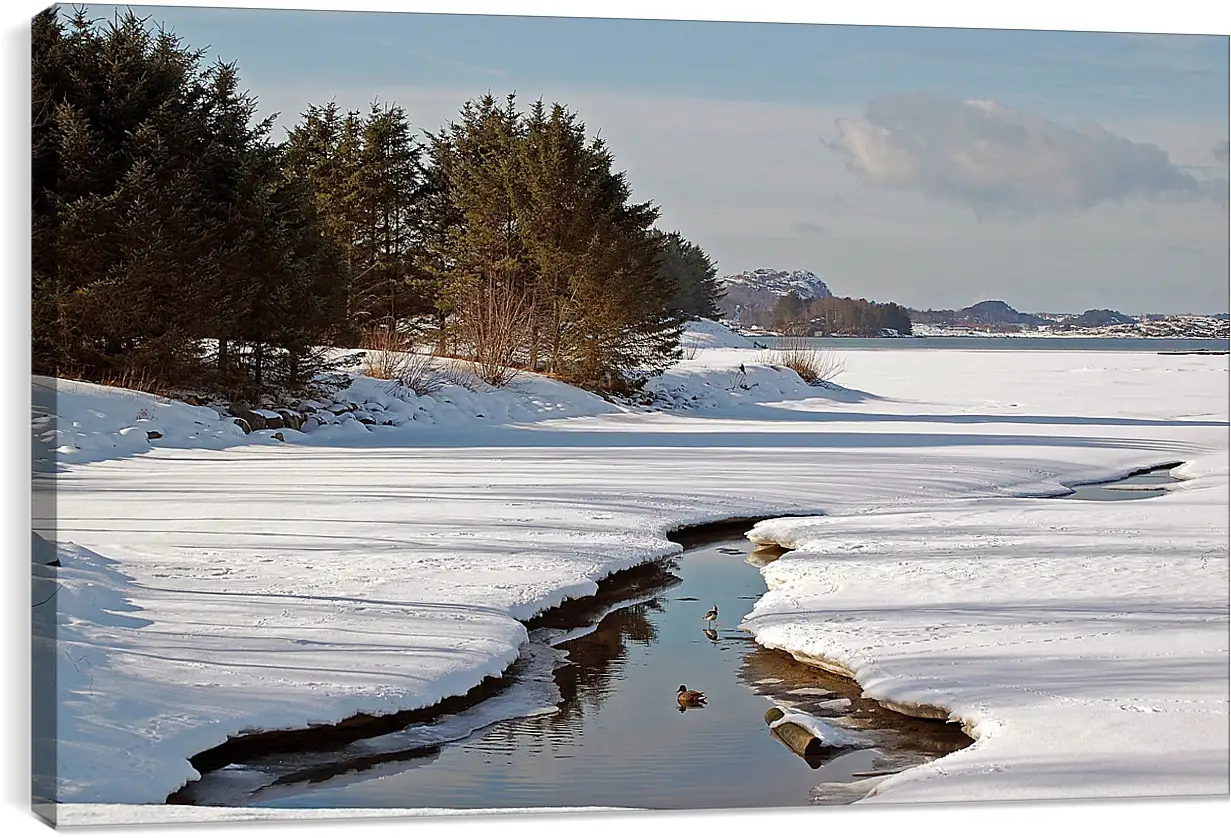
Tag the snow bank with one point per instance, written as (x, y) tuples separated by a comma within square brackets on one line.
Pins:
[(79, 422), (529, 398), (1087, 653), (71, 814), (369, 570), (708, 334)]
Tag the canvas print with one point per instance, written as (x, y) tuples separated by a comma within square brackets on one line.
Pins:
[(449, 413)]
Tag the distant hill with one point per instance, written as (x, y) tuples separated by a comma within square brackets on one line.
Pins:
[(986, 313), (751, 296), (1099, 317)]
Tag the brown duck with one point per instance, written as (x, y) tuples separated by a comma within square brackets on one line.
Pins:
[(689, 698)]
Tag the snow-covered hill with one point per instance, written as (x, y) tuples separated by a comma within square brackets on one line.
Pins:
[(779, 283), (751, 295)]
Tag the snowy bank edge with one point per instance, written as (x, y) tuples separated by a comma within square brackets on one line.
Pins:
[(118, 814), (692, 530)]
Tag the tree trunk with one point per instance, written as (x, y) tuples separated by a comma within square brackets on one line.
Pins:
[(258, 355), (554, 366), (534, 337)]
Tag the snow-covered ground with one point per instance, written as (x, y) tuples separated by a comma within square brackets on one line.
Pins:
[(214, 583)]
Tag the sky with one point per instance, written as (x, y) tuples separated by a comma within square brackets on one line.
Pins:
[(1058, 171)]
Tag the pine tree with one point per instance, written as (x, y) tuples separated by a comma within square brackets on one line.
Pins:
[(486, 273), (529, 213), (155, 208), (119, 226), (388, 186), (694, 274), (559, 215)]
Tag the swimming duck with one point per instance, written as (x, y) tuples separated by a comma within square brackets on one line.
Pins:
[(689, 698), (711, 615)]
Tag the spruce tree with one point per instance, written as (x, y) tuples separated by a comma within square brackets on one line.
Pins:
[(155, 208), (694, 273)]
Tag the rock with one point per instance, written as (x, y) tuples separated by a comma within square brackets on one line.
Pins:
[(243, 424), (374, 407), (310, 424), (291, 419), (278, 436), (153, 435), (337, 409), (254, 420), (272, 419)]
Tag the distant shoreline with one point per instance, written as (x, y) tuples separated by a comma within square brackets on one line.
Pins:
[(943, 333)]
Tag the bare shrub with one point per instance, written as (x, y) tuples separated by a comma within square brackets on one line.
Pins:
[(391, 355), (133, 379), (495, 325), (688, 351), (813, 365), (384, 350)]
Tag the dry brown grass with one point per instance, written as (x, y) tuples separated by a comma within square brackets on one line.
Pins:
[(391, 356), (814, 366), (139, 380)]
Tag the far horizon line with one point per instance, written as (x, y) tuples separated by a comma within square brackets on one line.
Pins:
[(1037, 311)]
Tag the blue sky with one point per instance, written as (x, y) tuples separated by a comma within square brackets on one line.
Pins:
[(1087, 168), (771, 62)]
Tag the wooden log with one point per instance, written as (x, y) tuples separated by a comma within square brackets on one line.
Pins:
[(799, 739)]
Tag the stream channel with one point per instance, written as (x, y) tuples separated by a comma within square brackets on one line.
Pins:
[(590, 717)]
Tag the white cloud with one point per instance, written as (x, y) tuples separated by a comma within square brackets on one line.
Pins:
[(1000, 161)]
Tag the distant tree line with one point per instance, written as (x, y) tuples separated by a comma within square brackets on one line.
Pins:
[(174, 240), (838, 317)]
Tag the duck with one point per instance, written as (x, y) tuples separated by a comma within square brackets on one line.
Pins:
[(711, 615), (689, 698)]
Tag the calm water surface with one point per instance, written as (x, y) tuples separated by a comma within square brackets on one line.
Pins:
[(608, 730), (1144, 485), (1151, 345)]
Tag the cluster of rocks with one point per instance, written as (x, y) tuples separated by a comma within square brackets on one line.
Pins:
[(307, 415)]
